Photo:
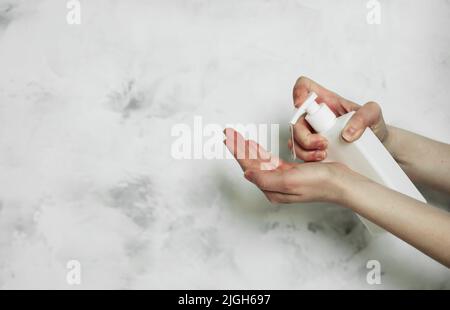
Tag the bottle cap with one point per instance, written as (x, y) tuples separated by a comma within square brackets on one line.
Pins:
[(320, 117)]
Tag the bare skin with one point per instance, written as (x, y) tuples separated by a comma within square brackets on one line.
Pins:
[(425, 227)]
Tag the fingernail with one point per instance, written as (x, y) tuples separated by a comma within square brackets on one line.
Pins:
[(319, 155), (349, 133)]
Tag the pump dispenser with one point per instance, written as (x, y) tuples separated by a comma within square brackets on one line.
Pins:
[(320, 117), (367, 155)]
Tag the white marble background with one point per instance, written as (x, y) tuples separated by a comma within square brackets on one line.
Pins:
[(85, 118)]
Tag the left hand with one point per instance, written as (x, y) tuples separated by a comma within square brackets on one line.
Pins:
[(287, 182)]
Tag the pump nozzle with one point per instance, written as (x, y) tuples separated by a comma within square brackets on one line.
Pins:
[(319, 116), (310, 106)]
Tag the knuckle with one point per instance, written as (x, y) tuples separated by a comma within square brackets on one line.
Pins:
[(301, 80), (358, 120), (375, 108), (374, 105)]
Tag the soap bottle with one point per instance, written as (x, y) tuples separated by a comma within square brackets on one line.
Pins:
[(367, 155)]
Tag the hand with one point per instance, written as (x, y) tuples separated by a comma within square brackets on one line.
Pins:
[(311, 146), (286, 182)]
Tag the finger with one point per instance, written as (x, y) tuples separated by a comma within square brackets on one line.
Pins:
[(275, 197), (248, 153), (368, 115), (267, 161), (303, 86), (305, 155), (235, 143), (346, 106), (241, 148), (306, 139), (257, 151), (274, 180), (337, 104), (238, 146)]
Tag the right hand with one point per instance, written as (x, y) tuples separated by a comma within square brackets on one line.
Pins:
[(310, 146)]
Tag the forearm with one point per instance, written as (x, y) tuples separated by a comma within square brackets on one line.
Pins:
[(424, 227), (424, 160)]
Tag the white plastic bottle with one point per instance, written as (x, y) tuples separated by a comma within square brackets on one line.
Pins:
[(367, 155)]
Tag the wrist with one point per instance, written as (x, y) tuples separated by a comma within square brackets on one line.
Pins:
[(347, 186), (393, 145)]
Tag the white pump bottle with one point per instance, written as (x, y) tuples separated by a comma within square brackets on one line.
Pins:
[(367, 155)]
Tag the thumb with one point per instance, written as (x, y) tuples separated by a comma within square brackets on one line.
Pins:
[(366, 116)]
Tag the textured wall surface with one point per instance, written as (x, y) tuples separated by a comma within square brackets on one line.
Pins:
[(86, 112)]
